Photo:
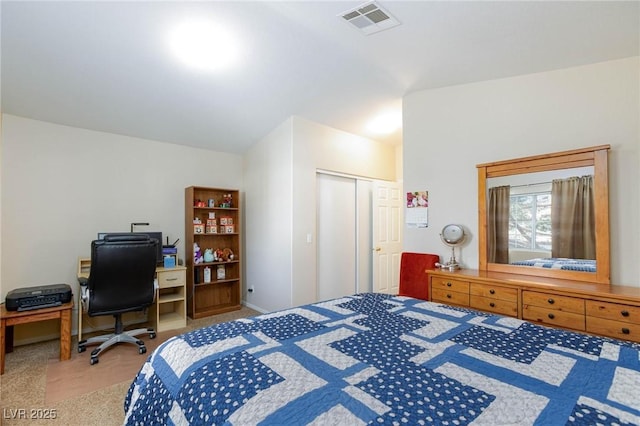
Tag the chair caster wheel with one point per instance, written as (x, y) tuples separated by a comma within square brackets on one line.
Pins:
[(152, 335), (81, 349), (142, 350), (93, 361)]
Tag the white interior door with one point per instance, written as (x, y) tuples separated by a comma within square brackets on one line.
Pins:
[(387, 219), (336, 236)]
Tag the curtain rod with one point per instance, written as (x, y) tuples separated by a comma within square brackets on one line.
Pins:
[(528, 184), (543, 183)]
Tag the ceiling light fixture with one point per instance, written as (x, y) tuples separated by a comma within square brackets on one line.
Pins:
[(204, 45), (385, 123)]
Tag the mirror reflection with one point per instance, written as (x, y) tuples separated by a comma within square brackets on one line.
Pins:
[(534, 211), (544, 219)]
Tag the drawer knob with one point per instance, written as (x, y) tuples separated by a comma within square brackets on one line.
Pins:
[(448, 284), (551, 301), (492, 291), (493, 305), (172, 279), (551, 316), (625, 330), (624, 313), (448, 296)]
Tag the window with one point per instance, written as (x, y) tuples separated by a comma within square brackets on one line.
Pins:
[(530, 221)]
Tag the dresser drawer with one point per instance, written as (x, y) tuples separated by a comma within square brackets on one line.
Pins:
[(168, 279), (613, 311), (611, 328), (503, 307), (494, 292), (552, 316), (553, 301), (449, 296), (448, 284)]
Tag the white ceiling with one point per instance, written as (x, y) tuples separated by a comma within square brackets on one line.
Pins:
[(105, 65)]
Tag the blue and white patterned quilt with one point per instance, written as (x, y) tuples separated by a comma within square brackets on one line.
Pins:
[(379, 359), (580, 265)]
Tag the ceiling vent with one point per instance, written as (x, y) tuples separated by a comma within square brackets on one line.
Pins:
[(369, 18)]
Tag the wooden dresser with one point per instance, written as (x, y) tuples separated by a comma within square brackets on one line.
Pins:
[(607, 310)]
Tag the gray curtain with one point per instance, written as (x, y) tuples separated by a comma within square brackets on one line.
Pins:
[(498, 225), (573, 218)]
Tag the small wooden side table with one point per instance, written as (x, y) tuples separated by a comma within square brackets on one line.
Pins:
[(11, 318)]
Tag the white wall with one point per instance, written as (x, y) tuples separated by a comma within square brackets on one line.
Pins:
[(2, 292), (268, 211), (448, 131), (320, 147), (61, 185), (281, 172)]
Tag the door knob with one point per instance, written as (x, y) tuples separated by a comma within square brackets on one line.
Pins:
[(377, 249)]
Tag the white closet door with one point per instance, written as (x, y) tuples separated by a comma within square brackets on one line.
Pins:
[(364, 236), (336, 241)]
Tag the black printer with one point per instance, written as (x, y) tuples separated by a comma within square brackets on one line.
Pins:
[(44, 296)]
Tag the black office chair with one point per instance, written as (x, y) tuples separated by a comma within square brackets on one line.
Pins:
[(121, 279)]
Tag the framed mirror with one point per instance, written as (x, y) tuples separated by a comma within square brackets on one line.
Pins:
[(546, 215), (452, 236)]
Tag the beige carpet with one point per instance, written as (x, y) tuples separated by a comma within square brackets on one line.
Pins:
[(75, 392)]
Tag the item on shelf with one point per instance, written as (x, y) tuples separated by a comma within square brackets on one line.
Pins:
[(172, 249), (212, 215), (226, 201), (207, 274), (198, 227), (222, 272), (197, 254), (169, 261), (212, 202), (199, 203), (226, 220), (225, 255), (229, 229), (211, 226), (208, 255)]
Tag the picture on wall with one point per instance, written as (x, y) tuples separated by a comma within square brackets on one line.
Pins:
[(417, 209)]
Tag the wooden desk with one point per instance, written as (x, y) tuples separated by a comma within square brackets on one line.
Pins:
[(168, 311), (11, 318)]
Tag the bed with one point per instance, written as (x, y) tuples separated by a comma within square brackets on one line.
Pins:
[(580, 265), (379, 359)]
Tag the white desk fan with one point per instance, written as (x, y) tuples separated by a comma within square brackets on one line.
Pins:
[(452, 236)]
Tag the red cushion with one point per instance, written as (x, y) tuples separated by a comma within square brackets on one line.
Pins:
[(413, 277)]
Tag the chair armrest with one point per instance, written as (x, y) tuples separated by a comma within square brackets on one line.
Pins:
[(84, 293)]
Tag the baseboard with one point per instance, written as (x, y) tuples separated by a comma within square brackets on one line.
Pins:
[(28, 334), (254, 307), (97, 324), (102, 327), (36, 339)]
